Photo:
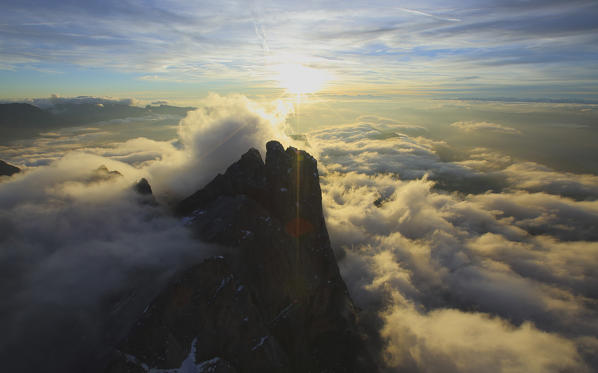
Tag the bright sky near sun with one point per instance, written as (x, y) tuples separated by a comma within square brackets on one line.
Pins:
[(300, 79), (176, 49)]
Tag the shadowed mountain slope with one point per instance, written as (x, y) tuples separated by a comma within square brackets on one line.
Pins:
[(274, 301)]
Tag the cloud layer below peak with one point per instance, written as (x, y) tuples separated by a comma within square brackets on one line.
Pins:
[(481, 263)]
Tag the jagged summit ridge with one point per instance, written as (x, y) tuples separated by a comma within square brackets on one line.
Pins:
[(8, 169), (284, 175), (286, 185), (274, 301)]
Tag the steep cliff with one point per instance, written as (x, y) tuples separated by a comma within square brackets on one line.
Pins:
[(8, 169), (274, 301)]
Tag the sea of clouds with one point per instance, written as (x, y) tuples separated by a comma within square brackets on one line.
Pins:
[(495, 281), (477, 264)]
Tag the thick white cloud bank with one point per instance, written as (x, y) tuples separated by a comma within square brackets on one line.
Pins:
[(479, 265), (492, 282), (215, 135)]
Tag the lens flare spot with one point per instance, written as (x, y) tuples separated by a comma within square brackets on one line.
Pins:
[(298, 227)]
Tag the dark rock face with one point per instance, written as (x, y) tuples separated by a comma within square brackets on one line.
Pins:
[(143, 187), (102, 173), (144, 192), (275, 301), (7, 169)]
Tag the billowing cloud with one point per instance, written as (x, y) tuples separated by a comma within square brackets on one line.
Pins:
[(364, 148), (213, 136), (535, 177), (462, 280), (485, 126), (449, 340), (81, 254)]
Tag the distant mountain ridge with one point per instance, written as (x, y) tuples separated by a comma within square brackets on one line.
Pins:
[(8, 169), (23, 120)]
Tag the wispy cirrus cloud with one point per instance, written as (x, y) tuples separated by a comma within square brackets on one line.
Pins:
[(420, 44)]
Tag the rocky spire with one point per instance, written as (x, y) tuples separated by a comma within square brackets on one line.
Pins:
[(275, 301)]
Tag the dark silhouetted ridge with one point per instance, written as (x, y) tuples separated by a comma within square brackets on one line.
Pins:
[(8, 169), (274, 301), (22, 120)]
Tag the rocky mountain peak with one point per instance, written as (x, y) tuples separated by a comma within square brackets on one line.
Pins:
[(143, 187), (8, 169), (274, 301), (144, 192)]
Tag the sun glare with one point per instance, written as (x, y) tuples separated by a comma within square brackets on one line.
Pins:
[(299, 79)]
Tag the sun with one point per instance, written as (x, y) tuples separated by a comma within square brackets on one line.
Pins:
[(299, 79)]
